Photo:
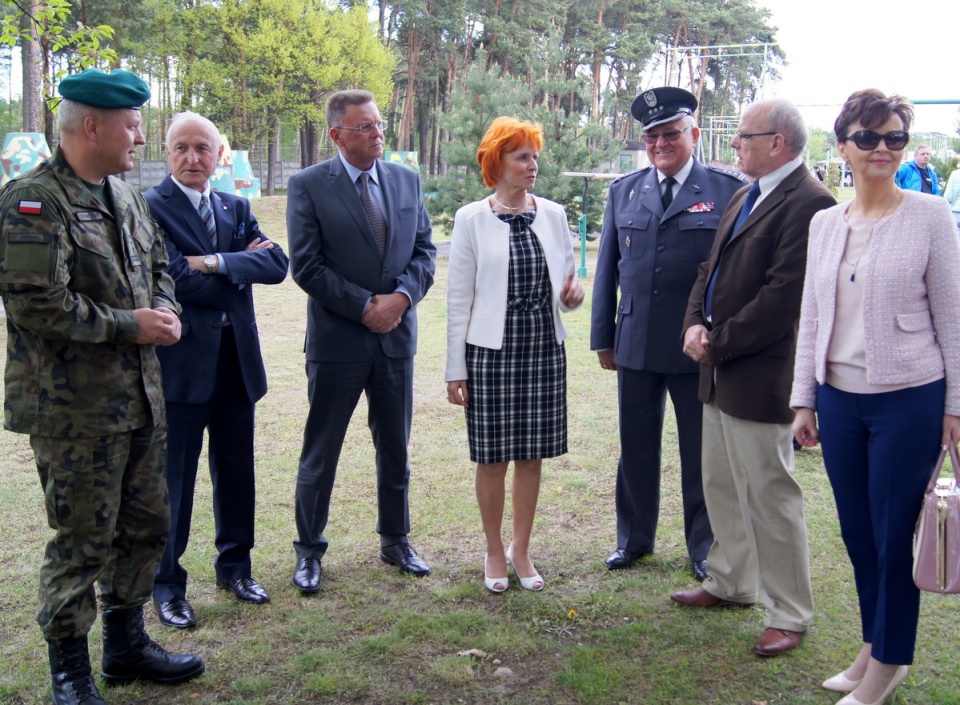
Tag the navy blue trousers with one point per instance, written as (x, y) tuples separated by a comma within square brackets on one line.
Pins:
[(879, 451)]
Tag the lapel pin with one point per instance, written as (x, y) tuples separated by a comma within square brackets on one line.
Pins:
[(630, 198)]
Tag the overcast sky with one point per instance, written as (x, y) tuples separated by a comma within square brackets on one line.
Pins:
[(835, 47)]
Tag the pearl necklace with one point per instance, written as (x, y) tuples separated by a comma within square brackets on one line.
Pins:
[(869, 237), (506, 207)]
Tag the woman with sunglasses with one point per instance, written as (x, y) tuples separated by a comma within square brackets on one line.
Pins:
[(878, 361)]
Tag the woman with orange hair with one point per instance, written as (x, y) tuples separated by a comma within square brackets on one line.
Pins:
[(511, 272)]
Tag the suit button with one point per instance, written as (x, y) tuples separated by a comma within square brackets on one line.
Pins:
[(700, 222), (660, 248), (656, 292), (629, 222), (658, 270)]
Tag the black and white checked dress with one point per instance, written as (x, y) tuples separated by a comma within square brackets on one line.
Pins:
[(518, 394)]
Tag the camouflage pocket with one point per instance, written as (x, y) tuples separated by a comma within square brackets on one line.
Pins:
[(27, 257)]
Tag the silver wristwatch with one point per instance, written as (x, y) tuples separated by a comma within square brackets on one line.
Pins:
[(210, 262)]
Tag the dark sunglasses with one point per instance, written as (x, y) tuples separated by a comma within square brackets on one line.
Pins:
[(868, 139)]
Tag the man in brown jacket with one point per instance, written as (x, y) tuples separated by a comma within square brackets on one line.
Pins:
[(741, 326)]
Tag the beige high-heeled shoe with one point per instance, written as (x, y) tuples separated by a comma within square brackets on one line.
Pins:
[(889, 692), (841, 684)]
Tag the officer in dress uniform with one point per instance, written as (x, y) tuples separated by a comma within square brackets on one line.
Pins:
[(658, 227), (82, 276)]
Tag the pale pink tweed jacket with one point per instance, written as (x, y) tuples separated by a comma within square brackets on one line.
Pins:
[(911, 299)]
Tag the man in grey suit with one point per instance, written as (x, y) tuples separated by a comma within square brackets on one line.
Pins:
[(360, 247), (658, 228)]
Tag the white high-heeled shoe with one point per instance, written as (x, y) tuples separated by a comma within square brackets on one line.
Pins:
[(527, 583), (889, 692), (491, 583), (841, 684)]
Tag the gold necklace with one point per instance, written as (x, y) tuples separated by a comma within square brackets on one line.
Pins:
[(869, 237)]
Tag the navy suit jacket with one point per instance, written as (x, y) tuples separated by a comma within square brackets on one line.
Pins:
[(189, 366), (335, 259), (652, 257)]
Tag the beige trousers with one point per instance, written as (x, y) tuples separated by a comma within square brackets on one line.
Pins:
[(756, 511)]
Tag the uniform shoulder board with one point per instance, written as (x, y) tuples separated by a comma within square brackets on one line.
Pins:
[(728, 172), (636, 172)]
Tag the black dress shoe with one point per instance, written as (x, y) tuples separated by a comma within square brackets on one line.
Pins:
[(404, 557), (620, 559), (175, 613), (245, 590), (308, 576), (699, 569)]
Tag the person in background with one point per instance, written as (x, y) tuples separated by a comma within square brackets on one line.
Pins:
[(88, 300), (952, 194), (918, 174), (511, 273), (741, 326), (878, 365), (659, 225), (214, 376)]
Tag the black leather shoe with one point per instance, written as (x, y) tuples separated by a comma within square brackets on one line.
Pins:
[(308, 576), (699, 569), (175, 613), (245, 590), (620, 559), (404, 557)]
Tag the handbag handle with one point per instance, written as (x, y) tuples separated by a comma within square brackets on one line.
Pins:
[(954, 458)]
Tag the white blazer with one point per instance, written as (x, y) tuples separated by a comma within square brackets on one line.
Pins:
[(478, 273)]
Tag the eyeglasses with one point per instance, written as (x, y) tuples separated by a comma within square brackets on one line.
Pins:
[(671, 136), (366, 128), (868, 139), (747, 135)]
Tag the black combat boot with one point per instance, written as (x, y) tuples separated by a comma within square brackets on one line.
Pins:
[(129, 654), (70, 666)]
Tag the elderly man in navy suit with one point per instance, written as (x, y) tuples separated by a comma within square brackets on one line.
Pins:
[(360, 247), (214, 376), (659, 225)]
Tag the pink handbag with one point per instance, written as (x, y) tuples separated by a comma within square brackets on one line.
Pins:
[(936, 543)]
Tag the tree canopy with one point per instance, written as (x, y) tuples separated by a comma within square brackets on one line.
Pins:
[(441, 69)]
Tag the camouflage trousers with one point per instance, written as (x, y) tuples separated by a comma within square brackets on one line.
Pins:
[(106, 499)]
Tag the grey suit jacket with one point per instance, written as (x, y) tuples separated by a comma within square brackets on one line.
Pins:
[(335, 259)]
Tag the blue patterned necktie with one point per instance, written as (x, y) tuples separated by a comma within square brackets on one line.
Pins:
[(370, 206), (207, 214)]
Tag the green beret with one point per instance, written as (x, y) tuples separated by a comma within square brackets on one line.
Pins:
[(117, 89)]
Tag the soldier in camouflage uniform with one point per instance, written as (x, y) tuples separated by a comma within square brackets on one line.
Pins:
[(87, 300)]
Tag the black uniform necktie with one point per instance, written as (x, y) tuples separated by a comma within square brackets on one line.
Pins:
[(667, 198)]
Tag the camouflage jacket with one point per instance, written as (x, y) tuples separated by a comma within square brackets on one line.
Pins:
[(72, 271)]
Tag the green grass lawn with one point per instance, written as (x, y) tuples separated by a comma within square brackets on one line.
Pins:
[(374, 636)]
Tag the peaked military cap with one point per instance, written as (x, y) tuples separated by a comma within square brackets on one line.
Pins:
[(114, 90), (659, 106)]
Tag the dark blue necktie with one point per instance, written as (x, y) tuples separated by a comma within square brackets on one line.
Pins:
[(667, 197), (752, 195)]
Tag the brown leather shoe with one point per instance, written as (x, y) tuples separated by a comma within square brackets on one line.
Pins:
[(776, 641), (702, 598)]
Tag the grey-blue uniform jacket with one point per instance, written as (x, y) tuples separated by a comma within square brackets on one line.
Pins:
[(653, 258)]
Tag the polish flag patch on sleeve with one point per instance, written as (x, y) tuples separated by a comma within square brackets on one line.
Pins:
[(31, 207)]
